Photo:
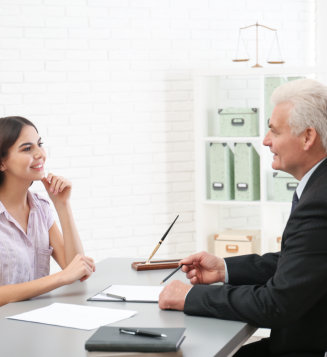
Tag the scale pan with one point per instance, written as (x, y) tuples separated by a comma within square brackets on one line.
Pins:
[(241, 60), (275, 62)]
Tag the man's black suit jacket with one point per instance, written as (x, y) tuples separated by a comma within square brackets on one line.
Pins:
[(285, 291)]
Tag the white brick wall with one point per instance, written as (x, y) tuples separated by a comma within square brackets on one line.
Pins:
[(109, 83)]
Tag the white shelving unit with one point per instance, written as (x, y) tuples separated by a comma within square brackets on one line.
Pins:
[(236, 88)]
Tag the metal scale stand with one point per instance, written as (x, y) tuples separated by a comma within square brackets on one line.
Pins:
[(247, 58)]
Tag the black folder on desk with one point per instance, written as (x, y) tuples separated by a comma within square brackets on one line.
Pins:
[(108, 338)]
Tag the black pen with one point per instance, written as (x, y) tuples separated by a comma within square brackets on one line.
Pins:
[(160, 241), (172, 273), (139, 332)]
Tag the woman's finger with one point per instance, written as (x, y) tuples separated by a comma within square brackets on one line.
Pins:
[(49, 177), (62, 186)]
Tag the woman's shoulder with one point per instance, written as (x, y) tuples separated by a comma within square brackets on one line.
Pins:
[(42, 208), (38, 200)]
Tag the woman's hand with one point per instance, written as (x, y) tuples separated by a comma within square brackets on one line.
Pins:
[(58, 188), (80, 268)]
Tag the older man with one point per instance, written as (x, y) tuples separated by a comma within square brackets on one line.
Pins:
[(285, 291)]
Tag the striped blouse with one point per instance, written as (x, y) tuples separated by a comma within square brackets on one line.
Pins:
[(25, 257)]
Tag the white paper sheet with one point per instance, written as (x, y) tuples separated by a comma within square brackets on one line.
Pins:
[(141, 293), (75, 316)]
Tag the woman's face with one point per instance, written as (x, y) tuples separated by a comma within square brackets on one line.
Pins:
[(26, 158)]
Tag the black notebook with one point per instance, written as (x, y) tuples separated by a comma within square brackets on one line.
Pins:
[(108, 338)]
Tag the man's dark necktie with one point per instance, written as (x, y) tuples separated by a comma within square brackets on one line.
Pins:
[(295, 201)]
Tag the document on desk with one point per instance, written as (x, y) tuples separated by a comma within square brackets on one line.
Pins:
[(129, 293), (74, 316)]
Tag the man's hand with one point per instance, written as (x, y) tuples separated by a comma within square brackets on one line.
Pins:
[(204, 268), (173, 296)]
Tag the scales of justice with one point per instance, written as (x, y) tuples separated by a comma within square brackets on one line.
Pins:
[(274, 46)]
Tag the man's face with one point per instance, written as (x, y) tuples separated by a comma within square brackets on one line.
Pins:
[(286, 147)]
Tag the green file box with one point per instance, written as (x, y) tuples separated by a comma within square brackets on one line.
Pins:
[(284, 186), (247, 172), (238, 122), (221, 176)]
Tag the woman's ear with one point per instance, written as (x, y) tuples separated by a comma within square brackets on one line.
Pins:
[(2, 167)]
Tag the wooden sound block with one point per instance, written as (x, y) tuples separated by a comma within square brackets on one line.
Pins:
[(156, 264)]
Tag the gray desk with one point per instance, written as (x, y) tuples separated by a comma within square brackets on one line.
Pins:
[(204, 336)]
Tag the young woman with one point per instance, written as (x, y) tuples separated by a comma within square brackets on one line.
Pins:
[(28, 233)]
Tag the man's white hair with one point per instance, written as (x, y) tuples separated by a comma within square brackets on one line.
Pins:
[(309, 106)]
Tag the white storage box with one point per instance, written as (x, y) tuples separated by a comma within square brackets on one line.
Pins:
[(232, 242), (278, 243)]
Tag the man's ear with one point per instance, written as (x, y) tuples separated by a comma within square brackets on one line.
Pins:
[(309, 138)]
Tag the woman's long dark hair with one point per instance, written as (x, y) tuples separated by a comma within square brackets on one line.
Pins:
[(10, 129)]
